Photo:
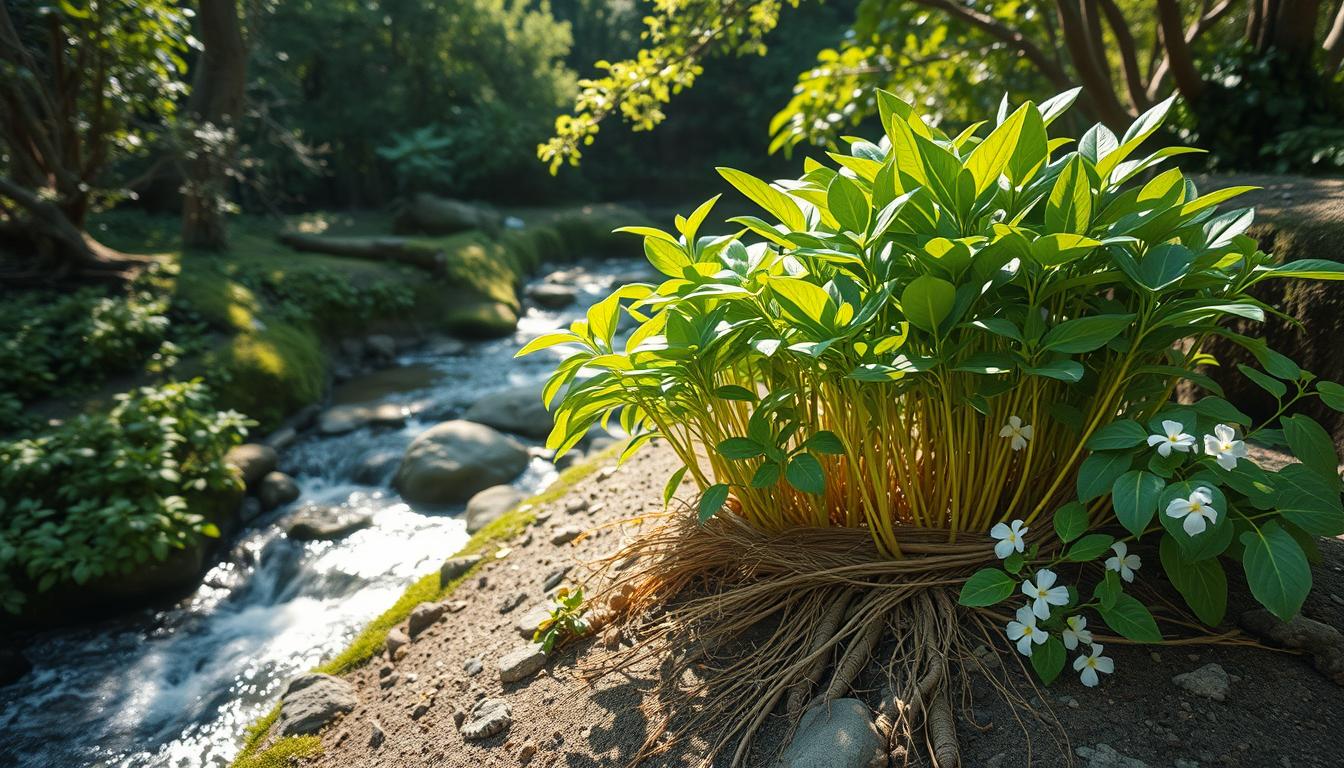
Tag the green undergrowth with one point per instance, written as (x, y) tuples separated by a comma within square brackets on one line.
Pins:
[(367, 643)]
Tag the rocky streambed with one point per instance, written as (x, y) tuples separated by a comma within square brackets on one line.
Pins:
[(346, 507)]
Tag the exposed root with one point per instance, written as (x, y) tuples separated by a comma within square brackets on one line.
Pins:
[(740, 621)]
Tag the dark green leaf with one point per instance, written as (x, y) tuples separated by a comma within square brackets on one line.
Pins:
[(712, 500), (1085, 334), (1131, 620), (1071, 521), (1134, 496), (826, 442), (1090, 547), (1311, 444), (986, 586), (766, 476), (1048, 659), (804, 473), (1099, 472), (1118, 435), (1203, 583), (1276, 569), (738, 448)]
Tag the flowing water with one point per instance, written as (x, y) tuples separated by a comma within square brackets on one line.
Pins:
[(177, 687)]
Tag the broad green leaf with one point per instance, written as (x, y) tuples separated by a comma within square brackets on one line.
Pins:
[(766, 476), (712, 500), (1277, 570), (1310, 500), (1085, 334), (739, 448), (1164, 264), (988, 160), (1048, 659), (668, 258), (1099, 471), (848, 204), (734, 392), (1069, 207), (778, 204), (1131, 620), (1311, 444), (1271, 385), (1118, 435), (1071, 521), (985, 587), (802, 299), (1090, 547), (826, 442), (927, 301), (1061, 369), (1203, 584), (1135, 495), (673, 483), (1061, 247), (546, 341), (1308, 269), (804, 473), (1331, 394)]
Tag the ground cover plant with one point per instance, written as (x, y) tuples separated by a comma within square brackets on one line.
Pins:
[(928, 403)]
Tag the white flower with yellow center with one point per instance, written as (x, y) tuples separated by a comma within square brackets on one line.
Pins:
[(1018, 433), (1224, 446), (1075, 632), (1024, 631), (1122, 562), (1088, 667), (1197, 511), (1173, 438), (1011, 538), (1044, 594)]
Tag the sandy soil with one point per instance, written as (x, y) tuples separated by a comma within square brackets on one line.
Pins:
[(1280, 711)]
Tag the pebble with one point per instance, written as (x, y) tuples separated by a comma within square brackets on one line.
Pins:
[(389, 680), (1210, 681), (574, 506), (554, 578), (528, 751), (455, 606), (513, 601), (529, 622), (454, 567), (472, 667), (1103, 756), (396, 640), (487, 718), (423, 617), (565, 534), (521, 663), (421, 708), (376, 734)]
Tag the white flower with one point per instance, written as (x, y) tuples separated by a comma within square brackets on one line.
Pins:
[(1044, 594), (1089, 666), (1197, 510), (1174, 437), (1224, 446), (1075, 632), (1011, 539), (1122, 562), (1019, 432), (1025, 632)]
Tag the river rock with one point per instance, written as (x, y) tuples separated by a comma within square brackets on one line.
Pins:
[(490, 505), (1210, 681), (454, 567), (276, 489), (531, 621), (282, 438), (552, 296), (518, 410), (341, 419), (423, 617), (326, 523), (249, 509), (381, 347), (835, 735), (450, 462), (521, 663), (489, 717), (396, 638), (253, 461), (313, 700), (377, 466)]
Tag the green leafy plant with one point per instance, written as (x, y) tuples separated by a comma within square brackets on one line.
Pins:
[(106, 494), (565, 622), (975, 338)]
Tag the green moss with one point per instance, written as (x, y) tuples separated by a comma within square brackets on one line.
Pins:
[(283, 753), (269, 373)]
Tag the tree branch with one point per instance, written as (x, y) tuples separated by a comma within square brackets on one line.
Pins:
[(1005, 33), (1179, 58), (1096, 80), (1334, 44), (1129, 55)]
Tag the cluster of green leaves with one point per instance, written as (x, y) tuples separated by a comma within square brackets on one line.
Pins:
[(853, 359), (325, 297), (107, 493), (54, 342), (565, 622)]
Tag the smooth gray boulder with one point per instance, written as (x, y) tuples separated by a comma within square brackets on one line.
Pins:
[(452, 461), (339, 419), (313, 700), (276, 489), (326, 523), (490, 505), (521, 663), (518, 410), (835, 735), (552, 296), (456, 566), (253, 461)]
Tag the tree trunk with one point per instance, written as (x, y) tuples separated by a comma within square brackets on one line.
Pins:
[(1189, 82), (213, 113), (1334, 44), (396, 249), (1096, 80)]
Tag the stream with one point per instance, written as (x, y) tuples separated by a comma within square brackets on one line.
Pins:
[(177, 687)]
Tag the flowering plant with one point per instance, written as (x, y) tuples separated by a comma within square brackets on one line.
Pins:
[(977, 338)]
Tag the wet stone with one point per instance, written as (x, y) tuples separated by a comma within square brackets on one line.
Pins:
[(488, 717)]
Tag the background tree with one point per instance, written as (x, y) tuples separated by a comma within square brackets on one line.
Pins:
[(1273, 63), (210, 130), (81, 85)]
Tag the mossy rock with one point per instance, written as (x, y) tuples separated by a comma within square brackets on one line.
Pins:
[(269, 373), (1296, 218)]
